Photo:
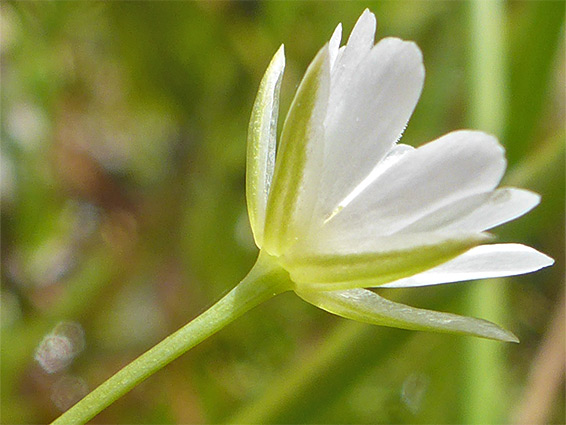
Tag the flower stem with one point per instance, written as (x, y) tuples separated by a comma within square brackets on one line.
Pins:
[(265, 280)]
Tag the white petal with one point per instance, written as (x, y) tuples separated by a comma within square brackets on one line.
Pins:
[(370, 105), (345, 62), (334, 45), (482, 262), (262, 135), (504, 205), (368, 307), (477, 213), (394, 155), (455, 166), (363, 33), (360, 41)]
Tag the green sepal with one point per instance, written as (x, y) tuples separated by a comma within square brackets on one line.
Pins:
[(362, 270), (299, 159), (366, 306), (262, 141)]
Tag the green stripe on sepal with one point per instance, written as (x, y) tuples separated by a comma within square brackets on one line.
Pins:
[(407, 256), (262, 142), (366, 306), (299, 159)]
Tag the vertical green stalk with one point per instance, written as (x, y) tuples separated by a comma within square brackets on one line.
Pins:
[(488, 94), (484, 393), (265, 280)]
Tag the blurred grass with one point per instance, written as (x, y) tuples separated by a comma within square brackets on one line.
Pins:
[(483, 366), (123, 142)]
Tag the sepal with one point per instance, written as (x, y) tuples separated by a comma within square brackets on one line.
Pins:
[(299, 159), (262, 141), (400, 257), (366, 306)]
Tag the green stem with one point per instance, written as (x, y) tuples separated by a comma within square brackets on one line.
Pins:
[(488, 94), (484, 393), (265, 280)]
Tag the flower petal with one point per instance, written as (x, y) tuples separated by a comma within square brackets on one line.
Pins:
[(398, 257), (477, 213), (297, 167), (359, 44), (481, 262), (363, 33), (503, 205), (334, 45), (394, 155), (262, 140), (368, 307), (456, 166), (371, 101)]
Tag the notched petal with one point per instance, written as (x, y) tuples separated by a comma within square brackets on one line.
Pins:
[(334, 45), (366, 306), (373, 95)]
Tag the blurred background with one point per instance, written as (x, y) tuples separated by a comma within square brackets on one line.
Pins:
[(123, 215)]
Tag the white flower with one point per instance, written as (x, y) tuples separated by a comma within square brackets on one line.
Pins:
[(345, 207)]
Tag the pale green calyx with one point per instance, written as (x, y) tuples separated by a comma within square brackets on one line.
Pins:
[(262, 140), (343, 207)]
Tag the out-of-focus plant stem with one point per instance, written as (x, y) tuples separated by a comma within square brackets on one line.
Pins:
[(265, 280), (536, 166), (484, 366)]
